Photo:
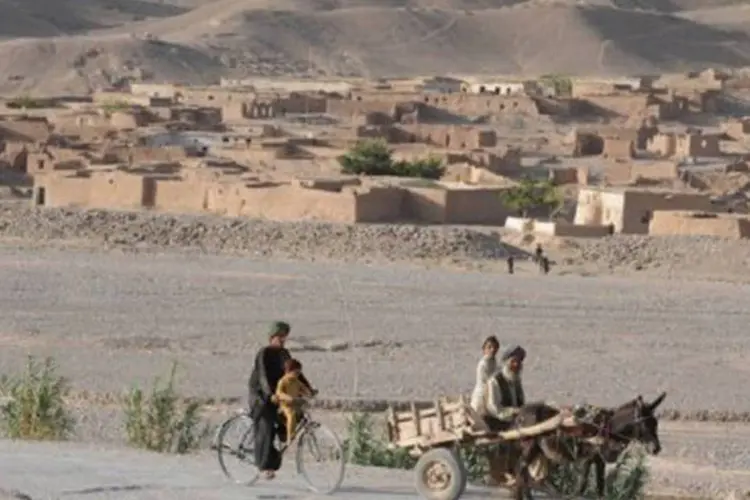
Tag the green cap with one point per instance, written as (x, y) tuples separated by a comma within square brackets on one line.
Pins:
[(279, 328)]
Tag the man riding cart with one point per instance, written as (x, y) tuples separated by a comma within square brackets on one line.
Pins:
[(503, 398)]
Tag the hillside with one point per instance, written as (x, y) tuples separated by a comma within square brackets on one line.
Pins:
[(359, 37)]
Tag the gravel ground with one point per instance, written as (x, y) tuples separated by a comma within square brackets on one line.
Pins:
[(113, 319), (483, 248), (367, 327)]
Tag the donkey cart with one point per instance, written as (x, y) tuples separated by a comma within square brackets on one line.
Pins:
[(437, 434)]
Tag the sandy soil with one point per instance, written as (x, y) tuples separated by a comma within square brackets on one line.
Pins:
[(392, 332), (68, 46), (381, 331)]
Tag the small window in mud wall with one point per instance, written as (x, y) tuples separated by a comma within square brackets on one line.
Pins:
[(646, 217), (40, 196), (40, 164), (210, 97)]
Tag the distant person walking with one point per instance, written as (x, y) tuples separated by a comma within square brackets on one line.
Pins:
[(538, 254)]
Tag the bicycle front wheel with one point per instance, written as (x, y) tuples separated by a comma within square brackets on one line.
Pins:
[(320, 459), (235, 447)]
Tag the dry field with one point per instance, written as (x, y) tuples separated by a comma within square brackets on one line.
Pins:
[(371, 330)]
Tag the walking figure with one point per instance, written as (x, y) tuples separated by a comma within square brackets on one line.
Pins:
[(511, 263), (545, 265), (538, 254)]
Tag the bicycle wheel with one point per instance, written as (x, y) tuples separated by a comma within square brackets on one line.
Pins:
[(235, 446), (320, 459)]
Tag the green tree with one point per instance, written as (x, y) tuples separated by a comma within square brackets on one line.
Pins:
[(531, 194), (426, 168), (562, 85), (368, 157), (372, 157)]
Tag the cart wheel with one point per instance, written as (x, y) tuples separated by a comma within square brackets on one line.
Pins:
[(440, 475)]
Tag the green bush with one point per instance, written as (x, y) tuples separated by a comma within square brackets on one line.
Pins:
[(532, 194), (163, 422), (372, 157), (34, 406), (363, 446), (27, 102), (625, 481), (425, 168), (562, 85), (110, 107)]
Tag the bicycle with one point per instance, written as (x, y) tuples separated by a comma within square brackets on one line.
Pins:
[(310, 436)]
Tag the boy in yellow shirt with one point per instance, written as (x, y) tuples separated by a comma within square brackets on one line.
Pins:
[(288, 393)]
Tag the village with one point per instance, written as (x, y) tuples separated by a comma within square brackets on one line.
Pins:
[(660, 155)]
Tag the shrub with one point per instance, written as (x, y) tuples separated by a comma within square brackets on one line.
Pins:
[(26, 102), (35, 403), (425, 168), (369, 157), (562, 85), (625, 481), (363, 447), (372, 157), (163, 422), (110, 107), (532, 194)]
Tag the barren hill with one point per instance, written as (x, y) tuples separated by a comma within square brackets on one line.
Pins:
[(358, 37)]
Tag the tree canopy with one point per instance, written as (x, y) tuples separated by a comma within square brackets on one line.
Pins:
[(531, 194), (372, 157)]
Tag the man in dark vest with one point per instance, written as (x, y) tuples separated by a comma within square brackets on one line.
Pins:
[(267, 371), (505, 395)]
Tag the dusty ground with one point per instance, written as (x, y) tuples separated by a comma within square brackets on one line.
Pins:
[(700, 459), (68, 47), (113, 319), (379, 330)]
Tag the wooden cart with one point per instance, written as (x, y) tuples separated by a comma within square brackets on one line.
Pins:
[(435, 435)]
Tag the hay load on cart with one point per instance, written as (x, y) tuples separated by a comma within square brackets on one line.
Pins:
[(435, 435)]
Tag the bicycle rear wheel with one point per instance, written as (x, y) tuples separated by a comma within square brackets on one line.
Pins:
[(320, 459), (235, 447)]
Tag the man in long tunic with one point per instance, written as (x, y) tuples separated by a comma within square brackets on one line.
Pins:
[(267, 371), (504, 398)]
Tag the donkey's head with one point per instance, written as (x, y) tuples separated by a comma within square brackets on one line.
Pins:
[(636, 421)]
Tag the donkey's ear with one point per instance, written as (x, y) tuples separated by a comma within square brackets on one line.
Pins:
[(639, 400), (656, 402)]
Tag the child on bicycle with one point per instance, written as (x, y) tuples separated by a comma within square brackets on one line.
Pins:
[(289, 395)]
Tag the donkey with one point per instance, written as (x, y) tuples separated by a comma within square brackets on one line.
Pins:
[(522, 454), (633, 421)]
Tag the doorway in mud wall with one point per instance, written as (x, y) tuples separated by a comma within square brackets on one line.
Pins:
[(148, 194), (40, 196)]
